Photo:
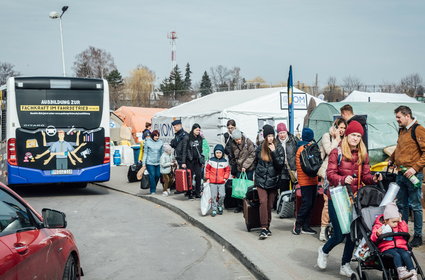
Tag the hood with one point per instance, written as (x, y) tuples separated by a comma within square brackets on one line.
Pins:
[(219, 147)]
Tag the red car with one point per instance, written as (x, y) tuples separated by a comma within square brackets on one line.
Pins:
[(34, 246)]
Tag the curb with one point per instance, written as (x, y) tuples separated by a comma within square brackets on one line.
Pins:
[(217, 237)]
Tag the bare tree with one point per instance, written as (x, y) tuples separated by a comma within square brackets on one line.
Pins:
[(332, 91), (6, 71), (235, 78), (93, 63), (220, 77), (410, 84), (140, 85), (351, 83)]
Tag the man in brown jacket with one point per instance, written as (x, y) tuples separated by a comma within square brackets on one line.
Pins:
[(410, 153)]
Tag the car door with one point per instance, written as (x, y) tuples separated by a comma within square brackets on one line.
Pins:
[(28, 244), (8, 262)]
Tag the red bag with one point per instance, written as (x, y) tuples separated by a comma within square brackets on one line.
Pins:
[(316, 212), (183, 180)]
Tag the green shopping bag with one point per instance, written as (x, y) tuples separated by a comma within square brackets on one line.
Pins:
[(240, 186)]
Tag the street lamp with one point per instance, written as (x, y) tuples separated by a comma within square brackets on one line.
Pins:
[(55, 15)]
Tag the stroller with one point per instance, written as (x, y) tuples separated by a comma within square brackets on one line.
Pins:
[(366, 210)]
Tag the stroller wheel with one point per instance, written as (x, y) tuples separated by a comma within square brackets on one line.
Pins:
[(365, 275), (329, 231), (355, 276)]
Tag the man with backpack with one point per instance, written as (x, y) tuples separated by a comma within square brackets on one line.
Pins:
[(308, 162), (410, 154)]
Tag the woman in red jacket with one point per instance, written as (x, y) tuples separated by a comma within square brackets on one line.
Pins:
[(347, 164), (397, 245)]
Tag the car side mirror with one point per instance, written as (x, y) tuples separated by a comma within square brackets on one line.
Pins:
[(53, 218)]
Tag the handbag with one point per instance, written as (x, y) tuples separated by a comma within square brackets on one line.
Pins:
[(292, 173), (206, 199), (201, 157), (240, 186)]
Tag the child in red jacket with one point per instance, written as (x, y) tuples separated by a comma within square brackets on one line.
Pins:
[(217, 171), (397, 245)]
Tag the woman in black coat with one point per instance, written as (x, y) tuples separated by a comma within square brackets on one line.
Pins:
[(269, 161), (193, 159)]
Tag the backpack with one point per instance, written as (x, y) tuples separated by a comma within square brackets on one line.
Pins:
[(311, 159)]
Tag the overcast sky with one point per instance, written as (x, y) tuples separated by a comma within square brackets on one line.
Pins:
[(377, 41)]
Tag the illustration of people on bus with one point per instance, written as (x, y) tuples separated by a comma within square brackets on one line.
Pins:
[(62, 150)]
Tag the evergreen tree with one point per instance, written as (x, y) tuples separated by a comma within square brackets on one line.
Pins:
[(187, 79), (206, 87), (115, 88)]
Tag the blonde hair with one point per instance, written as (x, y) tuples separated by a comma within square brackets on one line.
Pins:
[(346, 150)]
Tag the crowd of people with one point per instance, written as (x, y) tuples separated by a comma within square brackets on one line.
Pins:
[(275, 166)]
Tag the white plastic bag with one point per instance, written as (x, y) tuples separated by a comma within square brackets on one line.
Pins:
[(206, 199)]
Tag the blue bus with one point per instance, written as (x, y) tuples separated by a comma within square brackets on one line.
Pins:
[(54, 130)]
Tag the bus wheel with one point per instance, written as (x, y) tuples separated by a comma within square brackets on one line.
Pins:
[(78, 185)]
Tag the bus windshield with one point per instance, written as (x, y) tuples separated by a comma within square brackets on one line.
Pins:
[(38, 108)]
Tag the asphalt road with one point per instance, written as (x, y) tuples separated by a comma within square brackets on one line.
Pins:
[(125, 237)]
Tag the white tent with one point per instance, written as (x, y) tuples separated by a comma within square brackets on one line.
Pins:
[(360, 96), (251, 109)]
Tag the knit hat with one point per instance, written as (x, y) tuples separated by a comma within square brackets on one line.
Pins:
[(391, 211), (155, 133), (218, 147), (267, 130), (281, 127), (237, 134), (354, 127), (166, 147), (176, 122), (307, 134)]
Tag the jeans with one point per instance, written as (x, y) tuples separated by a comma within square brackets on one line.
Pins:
[(217, 189), (308, 196), (267, 198), (337, 237), (410, 196), (154, 174), (401, 258)]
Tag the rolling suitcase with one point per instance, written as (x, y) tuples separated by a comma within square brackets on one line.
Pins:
[(183, 180), (286, 204), (251, 209), (316, 213), (229, 201)]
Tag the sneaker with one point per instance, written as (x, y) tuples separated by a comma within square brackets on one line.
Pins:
[(403, 273), (269, 233), (165, 193), (191, 196), (213, 213), (220, 210), (416, 241), (198, 196), (346, 270), (296, 230), (308, 230), (263, 234), (322, 259), (152, 193)]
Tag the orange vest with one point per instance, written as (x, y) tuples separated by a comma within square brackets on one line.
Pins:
[(304, 179)]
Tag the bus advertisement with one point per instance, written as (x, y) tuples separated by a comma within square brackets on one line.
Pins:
[(54, 130)]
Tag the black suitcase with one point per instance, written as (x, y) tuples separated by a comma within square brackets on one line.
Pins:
[(229, 201), (251, 215), (132, 172)]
